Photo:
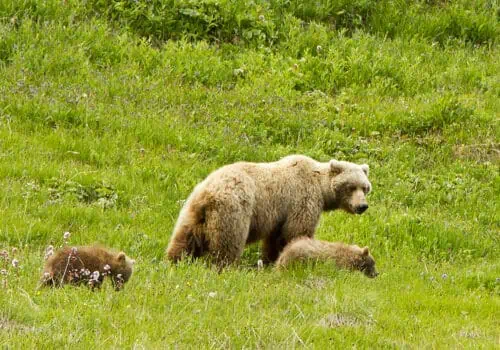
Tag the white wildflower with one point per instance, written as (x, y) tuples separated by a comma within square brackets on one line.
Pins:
[(260, 264), (49, 254), (95, 275)]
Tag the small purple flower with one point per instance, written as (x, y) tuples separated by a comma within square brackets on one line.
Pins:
[(74, 250), (66, 235), (95, 275), (15, 263), (107, 267)]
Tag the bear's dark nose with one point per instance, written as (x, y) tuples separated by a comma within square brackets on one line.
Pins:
[(361, 209)]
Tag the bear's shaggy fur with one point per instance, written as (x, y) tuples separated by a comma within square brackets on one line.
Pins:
[(345, 256), (275, 202), (87, 264)]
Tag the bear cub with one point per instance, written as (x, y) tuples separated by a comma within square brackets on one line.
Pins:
[(87, 265), (345, 256)]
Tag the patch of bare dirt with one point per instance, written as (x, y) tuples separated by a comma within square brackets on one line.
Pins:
[(339, 320), (481, 152), (14, 326)]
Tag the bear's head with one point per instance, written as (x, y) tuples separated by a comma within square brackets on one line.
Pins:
[(366, 263), (122, 269), (349, 186)]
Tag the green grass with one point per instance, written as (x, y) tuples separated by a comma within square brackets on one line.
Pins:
[(112, 111)]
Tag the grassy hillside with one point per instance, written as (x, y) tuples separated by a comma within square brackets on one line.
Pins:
[(111, 111)]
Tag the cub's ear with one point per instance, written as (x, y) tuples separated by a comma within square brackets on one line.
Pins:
[(336, 167), (365, 251), (365, 168), (121, 256)]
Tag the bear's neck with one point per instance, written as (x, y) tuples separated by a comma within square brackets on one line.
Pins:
[(329, 203), (329, 198)]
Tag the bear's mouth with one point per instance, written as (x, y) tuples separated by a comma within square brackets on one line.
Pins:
[(355, 210), (348, 209), (368, 273)]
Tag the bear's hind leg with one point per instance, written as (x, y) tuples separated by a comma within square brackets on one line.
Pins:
[(185, 243), (229, 232)]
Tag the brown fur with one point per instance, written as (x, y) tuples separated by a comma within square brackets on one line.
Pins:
[(345, 256), (76, 267), (275, 202)]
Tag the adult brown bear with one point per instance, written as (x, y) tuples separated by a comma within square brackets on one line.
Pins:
[(275, 202)]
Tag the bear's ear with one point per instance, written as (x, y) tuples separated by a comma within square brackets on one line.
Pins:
[(121, 257), (336, 167), (365, 251), (365, 168)]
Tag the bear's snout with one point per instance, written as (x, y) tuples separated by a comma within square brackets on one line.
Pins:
[(371, 273), (360, 209)]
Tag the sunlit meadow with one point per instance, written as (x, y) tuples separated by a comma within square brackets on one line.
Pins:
[(111, 111)]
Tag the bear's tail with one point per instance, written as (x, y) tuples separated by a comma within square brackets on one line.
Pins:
[(188, 238)]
